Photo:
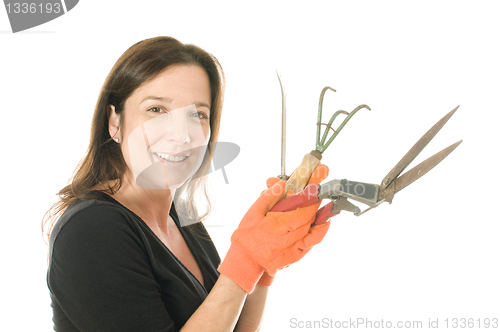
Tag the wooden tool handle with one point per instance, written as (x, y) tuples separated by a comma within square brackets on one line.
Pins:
[(298, 180)]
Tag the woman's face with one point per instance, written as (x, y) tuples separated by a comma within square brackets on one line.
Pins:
[(166, 127)]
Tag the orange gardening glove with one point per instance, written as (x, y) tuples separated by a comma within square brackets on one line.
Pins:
[(320, 173), (269, 241)]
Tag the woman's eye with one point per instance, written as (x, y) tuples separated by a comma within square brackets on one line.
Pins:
[(155, 109), (200, 115)]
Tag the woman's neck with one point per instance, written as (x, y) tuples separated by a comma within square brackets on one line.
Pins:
[(151, 205)]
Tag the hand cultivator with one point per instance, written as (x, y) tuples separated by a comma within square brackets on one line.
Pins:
[(339, 191)]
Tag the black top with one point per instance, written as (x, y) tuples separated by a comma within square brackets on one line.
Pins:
[(109, 272)]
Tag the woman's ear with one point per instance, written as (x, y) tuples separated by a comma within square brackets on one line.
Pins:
[(114, 124)]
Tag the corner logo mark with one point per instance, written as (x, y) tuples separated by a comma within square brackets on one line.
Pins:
[(26, 15), (225, 152)]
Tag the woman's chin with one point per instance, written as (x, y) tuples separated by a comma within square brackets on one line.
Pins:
[(160, 176)]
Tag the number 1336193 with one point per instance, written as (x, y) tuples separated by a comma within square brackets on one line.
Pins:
[(471, 323), (33, 8)]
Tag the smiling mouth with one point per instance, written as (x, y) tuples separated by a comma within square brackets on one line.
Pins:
[(172, 158)]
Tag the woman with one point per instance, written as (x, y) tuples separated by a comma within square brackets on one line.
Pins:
[(119, 258)]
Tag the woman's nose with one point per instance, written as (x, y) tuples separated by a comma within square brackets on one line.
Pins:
[(178, 131)]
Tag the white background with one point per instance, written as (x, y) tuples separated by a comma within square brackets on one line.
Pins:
[(433, 253)]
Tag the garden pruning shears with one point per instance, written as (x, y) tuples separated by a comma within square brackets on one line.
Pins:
[(339, 191)]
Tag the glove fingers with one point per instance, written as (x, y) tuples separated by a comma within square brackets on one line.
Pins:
[(293, 236), (315, 236), (291, 220), (298, 250), (283, 260), (268, 199), (271, 182)]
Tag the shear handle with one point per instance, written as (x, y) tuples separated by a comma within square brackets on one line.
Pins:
[(307, 197), (304, 198)]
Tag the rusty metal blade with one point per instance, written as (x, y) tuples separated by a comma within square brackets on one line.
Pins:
[(283, 175), (415, 150), (418, 171)]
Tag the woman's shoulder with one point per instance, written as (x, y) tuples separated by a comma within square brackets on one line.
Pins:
[(96, 214)]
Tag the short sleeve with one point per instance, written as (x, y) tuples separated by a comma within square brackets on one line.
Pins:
[(99, 274)]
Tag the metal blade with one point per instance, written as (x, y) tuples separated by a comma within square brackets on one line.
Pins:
[(418, 171), (283, 175), (415, 150)]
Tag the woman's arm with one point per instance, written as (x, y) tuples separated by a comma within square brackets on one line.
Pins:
[(97, 255), (262, 242), (102, 279), (253, 310), (227, 305), (220, 310)]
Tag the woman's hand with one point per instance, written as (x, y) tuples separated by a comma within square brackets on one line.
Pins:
[(268, 241)]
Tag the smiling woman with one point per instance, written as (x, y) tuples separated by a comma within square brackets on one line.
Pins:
[(104, 166), (161, 134), (119, 258)]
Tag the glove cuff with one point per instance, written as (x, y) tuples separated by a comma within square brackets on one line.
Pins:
[(266, 279), (239, 267)]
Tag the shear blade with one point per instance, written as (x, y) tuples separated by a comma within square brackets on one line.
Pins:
[(415, 150), (418, 171)]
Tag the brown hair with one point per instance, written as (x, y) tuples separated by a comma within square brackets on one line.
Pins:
[(104, 161)]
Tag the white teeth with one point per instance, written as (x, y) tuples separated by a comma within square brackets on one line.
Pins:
[(169, 157)]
